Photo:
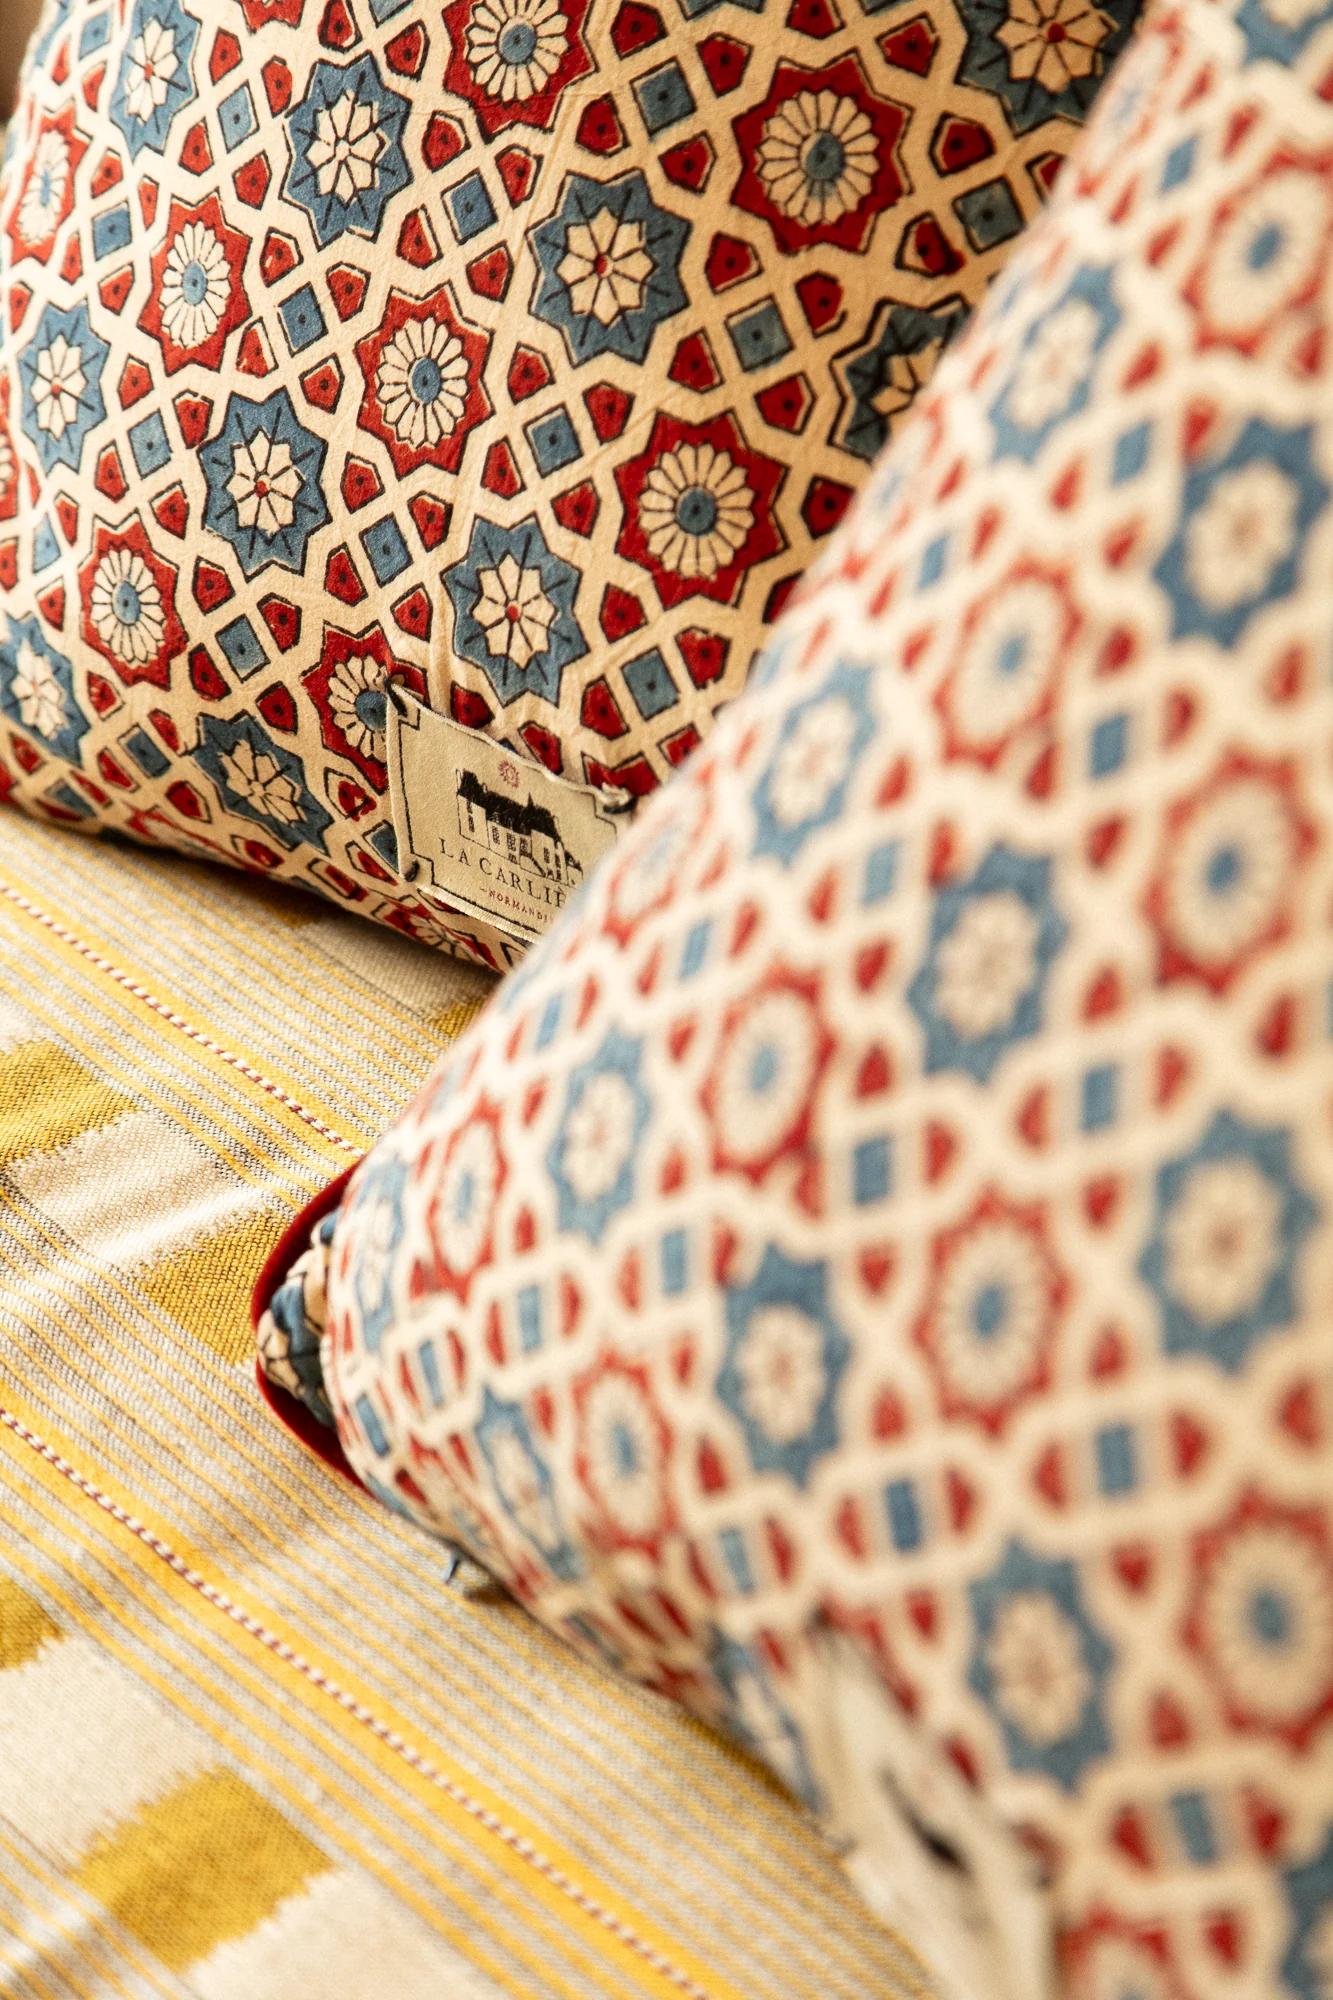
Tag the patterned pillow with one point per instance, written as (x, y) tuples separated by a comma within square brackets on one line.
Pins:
[(517, 353), (868, 1272)]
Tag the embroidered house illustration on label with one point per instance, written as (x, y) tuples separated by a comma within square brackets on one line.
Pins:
[(523, 834)]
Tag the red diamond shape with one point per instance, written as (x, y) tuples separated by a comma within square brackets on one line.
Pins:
[(609, 409), (689, 164), (730, 258), (599, 128), (578, 509), (431, 517), (725, 62)]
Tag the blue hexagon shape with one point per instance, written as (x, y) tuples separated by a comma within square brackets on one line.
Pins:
[(1040, 1665), (785, 1356), (1223, 1260)]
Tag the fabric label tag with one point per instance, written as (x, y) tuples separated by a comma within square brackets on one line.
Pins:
[(492, 833)]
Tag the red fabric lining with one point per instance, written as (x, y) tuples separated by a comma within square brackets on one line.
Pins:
[(292, 1414)]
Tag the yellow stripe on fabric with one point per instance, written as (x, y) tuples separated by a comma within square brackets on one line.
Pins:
[(24, 1627), (323, 1502), (207, 1120), (85, 1919), (48, 1097), (206, 1864), (71, 1933), (423, 1028), (206, 1288), (518, 1852), (104, 967), (31, 1954), (322, 1505), (28, 1955), (387, 1763), (209, 1713)]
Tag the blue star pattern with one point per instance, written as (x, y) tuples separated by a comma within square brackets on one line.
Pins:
[(885, 370), (981, 987), (154, 80), (593, 1153), (1053, 377), (785, 1356), (513, 606), (258, 778), (1039, 75), (804, 784), (265, 494), (37, 689), (379, 1197), (61, 373), (610, 267), (1240, 539), (347, 158), (1041, 1665), (1223, 1260), (521, 1483)]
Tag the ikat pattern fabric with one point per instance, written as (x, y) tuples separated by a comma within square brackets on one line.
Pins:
[(520, 352), (897, 1198)]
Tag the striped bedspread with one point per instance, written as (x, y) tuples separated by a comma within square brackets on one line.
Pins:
[(252, 1747)]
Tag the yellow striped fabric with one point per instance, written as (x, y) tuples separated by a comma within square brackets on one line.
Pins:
[(252, 1746)]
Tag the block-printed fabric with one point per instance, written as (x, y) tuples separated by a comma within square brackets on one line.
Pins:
[(898, 1196), (520, 352)]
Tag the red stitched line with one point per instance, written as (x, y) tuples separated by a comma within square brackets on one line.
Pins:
[(516, 1842), (160, 1008)]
